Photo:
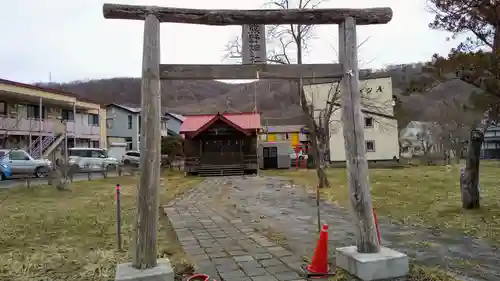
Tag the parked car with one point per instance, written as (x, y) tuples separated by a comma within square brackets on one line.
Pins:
[(131, 157), (19, 162), (91, 158), (5, 172)]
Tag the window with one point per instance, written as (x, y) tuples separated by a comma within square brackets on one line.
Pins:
[(368, 122), (286, 135), (3, 108), (95, 144), (17, 155), (97, 154), (67, 115), (78, 152), (33, 111), (93, 119), (129, 143), (133, 154), (370, 145), (109, 123), (129, 122)]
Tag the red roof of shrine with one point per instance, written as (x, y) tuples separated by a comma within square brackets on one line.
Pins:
[(244, 122)]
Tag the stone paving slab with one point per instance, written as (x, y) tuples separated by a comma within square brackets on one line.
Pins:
[(221, 224), (275, 203), (227, 249)]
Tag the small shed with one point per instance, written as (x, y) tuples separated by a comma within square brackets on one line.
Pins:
[(275, 155)]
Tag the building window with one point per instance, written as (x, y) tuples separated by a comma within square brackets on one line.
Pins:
[(67, 115), (368, 122), (109, 123), (93, 119), (33, 111), (95, 144), (286, 135), (129, 143), (129, 122), (3, 108), (370, 145)]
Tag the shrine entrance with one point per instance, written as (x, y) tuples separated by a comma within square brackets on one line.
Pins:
[(254, 67)]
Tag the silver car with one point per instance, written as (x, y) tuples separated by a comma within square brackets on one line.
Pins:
[(131, 158), (21, 163)]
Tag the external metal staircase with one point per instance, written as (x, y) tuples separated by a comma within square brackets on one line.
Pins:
[(45, 145)]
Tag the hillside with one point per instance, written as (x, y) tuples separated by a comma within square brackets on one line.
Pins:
[(276, 99)]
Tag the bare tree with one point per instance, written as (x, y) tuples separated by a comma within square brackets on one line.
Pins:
[(286, 45), (452, 122)]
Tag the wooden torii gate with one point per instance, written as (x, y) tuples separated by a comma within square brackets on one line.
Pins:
[(144, 253)]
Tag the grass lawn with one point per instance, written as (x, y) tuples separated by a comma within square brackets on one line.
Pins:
[(47, 234), (426, 196)]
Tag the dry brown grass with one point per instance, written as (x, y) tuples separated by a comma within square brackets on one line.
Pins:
[(57, 235), (427, 196)]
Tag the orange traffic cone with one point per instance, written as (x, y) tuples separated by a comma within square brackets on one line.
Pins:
[(319, 266)]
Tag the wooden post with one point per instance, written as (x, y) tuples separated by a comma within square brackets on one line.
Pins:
[(354, 140), (144, 252)]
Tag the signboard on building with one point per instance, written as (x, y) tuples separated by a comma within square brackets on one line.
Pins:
[(254, 44)]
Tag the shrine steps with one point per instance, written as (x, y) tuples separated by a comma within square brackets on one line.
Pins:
[(221, 170)]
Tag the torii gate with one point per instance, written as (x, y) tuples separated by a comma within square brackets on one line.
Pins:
[(144, 252)]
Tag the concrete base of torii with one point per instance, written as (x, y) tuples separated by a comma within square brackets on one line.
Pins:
[(382, 265), (162, 272)]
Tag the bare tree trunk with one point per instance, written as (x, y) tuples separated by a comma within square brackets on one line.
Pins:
[(316, 142), (469, 177), (458, 152), (320, 171)]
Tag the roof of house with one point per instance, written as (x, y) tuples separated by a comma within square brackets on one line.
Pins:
[(245, 121), (176, 116), (125, 107), (45, 89), (137, 110)]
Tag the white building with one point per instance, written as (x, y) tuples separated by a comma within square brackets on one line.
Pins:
[(381, 130)]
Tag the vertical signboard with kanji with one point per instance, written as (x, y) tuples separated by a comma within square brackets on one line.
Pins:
[(254, 44)]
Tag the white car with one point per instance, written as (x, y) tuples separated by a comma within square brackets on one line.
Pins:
[(91, 158), (131, 158)]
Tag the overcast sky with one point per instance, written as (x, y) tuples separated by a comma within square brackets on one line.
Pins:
[(72, 41)]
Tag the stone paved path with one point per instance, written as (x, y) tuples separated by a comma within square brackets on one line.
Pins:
[(233, 212), (224, 248)]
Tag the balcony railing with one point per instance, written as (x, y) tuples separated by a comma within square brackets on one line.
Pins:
[(50, 126)]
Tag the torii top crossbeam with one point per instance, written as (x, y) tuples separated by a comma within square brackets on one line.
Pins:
[(240, 17)]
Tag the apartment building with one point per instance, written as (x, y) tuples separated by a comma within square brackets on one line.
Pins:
[(124, 125), (490, 148), (380, 125), (38, 120)]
